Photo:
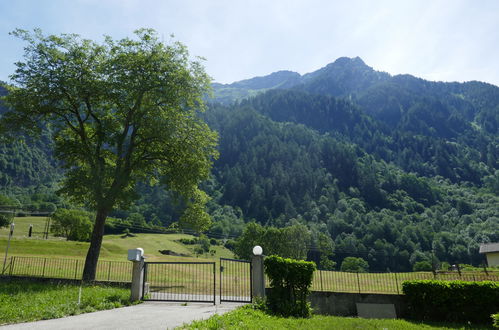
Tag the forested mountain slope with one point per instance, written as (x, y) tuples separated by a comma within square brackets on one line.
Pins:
[(394, 169), (27, 165)]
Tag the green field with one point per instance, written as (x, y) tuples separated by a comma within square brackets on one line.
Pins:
[(23, 301), (248, 318), (114, 247)]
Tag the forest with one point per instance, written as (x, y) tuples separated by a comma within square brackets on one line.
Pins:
[(344, 162)]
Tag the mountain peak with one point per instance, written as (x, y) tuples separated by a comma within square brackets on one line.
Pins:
[(349, 61)]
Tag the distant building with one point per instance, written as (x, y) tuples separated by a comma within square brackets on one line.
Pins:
[(491, 251)]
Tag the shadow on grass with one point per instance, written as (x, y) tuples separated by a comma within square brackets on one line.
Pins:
[(13, 286)]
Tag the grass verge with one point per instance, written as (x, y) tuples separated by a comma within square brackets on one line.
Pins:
[(249, 318), (23, 301)]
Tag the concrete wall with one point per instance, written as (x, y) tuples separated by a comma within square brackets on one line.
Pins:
[(345, 304), (492, 259)]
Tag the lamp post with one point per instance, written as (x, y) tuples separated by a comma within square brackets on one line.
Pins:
[(257, 275), (8, 245)]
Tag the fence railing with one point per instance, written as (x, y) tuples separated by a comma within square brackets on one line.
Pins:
[(389, 283), (107, 271)]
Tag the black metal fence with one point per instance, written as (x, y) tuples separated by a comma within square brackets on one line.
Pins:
[(180, 281), (107, 271), (388, 283), (235, 280)]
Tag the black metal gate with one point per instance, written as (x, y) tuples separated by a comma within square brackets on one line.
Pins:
[(180, 281), (235, 280)]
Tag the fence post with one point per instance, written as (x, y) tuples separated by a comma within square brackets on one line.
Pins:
[(358, 281), (257, 275), (320, 274), (76, 269), (215, 285), (137, 257), (109, 272), (396, 283), (44, 263), (12, 265)]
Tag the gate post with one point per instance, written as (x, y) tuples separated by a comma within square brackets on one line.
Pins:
[(257, 275), (137, 257)]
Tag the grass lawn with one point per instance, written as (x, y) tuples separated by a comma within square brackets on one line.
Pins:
[(248, 318), (114, 247), (23, 301)]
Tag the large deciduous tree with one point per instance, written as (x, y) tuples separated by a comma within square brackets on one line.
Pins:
[(120, 111)]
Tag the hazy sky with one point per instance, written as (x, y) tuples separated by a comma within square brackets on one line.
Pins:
[(438, 40)]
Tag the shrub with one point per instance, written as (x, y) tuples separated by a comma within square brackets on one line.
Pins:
[(5, 219), (451, 301), (353, 264), (290, 281), (204, 243), (188, 241), (422, 266), (75, 225), (495, 320)]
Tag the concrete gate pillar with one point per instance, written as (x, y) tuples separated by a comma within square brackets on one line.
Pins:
[(136, 256), (257, 274)]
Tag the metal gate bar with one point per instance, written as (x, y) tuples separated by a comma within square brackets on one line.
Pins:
[(180, 281), (235, 280)]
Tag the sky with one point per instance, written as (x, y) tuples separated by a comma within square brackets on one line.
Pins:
[(447, 40)]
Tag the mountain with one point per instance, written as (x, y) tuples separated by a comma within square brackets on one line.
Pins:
[(393, 169), (227, 93)]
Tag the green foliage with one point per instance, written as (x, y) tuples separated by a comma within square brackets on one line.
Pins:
[(495, 320), (355, 265), (75, 225), (289, 242), (5, 220), (121, 112), (422, 266), (455, 301), (290, 282), (204, 243)]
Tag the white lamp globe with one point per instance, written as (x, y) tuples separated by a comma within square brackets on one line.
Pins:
[(257, 250)]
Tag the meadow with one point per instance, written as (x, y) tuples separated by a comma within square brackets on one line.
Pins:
[(249, 318), (114, 247), (23, 301)]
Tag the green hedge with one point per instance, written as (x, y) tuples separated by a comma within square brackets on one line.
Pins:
[(495, 320), (290, 282), (452, 301)]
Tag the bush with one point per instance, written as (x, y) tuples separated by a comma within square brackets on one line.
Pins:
[(355, 265), (290, 281), (230, 244), (5, 219), (422, 266), (188, 241), (75, 225), (451, 301), (495, 320), (204, 243)]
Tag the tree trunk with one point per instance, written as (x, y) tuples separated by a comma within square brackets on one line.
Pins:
[(95, 245)]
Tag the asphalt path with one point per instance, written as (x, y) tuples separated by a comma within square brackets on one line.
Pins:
[(148, 315)]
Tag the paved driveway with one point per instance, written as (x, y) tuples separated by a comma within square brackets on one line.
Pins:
[(148, 315)]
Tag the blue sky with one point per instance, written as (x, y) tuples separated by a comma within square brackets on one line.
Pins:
[(451, 40)]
